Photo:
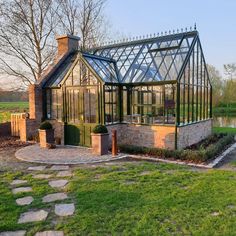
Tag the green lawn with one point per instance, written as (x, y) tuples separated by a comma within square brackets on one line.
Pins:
[(224, 130), (125, 200), (6, 108)]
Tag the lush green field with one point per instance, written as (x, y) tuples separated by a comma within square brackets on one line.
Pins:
[(225, 109), (133, 199), (6, 108), (224, 130)]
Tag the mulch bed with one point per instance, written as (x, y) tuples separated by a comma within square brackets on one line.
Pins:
[(12, 142)]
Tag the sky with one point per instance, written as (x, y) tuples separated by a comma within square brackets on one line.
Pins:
[(215, 20)]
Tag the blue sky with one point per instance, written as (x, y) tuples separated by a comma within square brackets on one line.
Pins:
[(215, 19)]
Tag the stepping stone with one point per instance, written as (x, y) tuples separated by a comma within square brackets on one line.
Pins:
[(59, 167), (65, 173), (24, 201), (33, 216), (58, 183), (64, 209), (13, 233), (54, 197), (50, 233), (22, 190), (37, 168), (42, 176), (145, 173), (18, 181), (215, 213)]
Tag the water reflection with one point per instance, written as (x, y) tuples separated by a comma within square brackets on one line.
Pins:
[(224, 121)]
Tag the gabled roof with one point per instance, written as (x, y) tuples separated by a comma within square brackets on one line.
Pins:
[(155, 59), (149, 60), (61, 70)]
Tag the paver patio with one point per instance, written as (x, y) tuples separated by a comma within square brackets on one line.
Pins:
[(62, 155)]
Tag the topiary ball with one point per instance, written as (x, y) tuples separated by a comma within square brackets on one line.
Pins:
[(100, 129), (45, 125)]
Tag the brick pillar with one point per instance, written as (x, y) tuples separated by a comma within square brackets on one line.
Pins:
[(35, 102)]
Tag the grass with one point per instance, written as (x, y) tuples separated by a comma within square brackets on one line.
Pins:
[(227, 130), (120, 200), (6, 108)]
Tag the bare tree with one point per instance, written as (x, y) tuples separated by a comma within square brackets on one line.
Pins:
[(230, 70), (84, 18), (26, 37), (28, 29)]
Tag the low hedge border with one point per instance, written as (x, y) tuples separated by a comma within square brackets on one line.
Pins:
[(197, 156)]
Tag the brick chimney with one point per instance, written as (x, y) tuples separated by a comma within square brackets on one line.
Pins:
[(67, 43)]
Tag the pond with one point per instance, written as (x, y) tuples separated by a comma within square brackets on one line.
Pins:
[(224, 121)]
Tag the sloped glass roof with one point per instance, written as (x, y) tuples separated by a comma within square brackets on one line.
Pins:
[(104, 67), (60, 71), (148, 60)]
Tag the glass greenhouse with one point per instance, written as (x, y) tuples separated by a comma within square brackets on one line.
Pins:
[(161, 81)]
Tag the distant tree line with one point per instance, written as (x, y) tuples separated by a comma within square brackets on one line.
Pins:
[(224, 87), (13, 96)]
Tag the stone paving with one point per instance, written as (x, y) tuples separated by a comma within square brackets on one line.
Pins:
[(64, 209), (36, 215), (33, 216), (58, 183), (24, 201), (13, 233), (22, 190), (66, 155), (50, 233), (65, 173), (18, 182), (54, 197)]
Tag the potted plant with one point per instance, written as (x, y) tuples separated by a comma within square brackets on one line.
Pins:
[(100, 138), (46, 134)]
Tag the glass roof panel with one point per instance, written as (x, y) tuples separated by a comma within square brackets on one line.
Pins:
[(154, 59), (61, 71), (103, 67)]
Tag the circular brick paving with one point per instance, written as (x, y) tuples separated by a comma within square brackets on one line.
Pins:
[(67, 155)]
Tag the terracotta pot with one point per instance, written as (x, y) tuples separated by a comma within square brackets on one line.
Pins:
[(100, 143), (46, 136)]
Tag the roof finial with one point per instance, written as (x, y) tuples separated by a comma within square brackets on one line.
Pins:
[(190, 28), (182, 30), (195, 26)]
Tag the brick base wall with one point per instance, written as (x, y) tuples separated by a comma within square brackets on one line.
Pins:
[(144, 135), (193, 133)]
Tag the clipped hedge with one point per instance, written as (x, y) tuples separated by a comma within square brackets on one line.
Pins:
[(200, 155), (45, 125), (100, 129)]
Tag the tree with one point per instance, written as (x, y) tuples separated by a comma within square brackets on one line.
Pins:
[(230, 83), (85, 18), (230, 70), (28, 29), (26, 37), (217, 84)]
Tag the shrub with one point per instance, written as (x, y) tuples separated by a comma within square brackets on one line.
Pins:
[(216, 144), (45, 125), (100, 129)]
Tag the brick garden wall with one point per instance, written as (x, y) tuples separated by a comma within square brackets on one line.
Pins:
[(145, 135), (190, 134)]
